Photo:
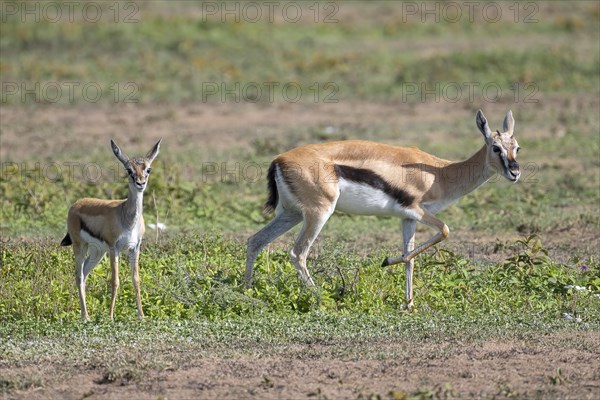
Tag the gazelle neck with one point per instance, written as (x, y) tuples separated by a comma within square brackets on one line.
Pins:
[(468, 175), (132, 207)]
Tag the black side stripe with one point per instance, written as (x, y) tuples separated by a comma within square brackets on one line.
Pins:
[(89, 232), (371, 178)]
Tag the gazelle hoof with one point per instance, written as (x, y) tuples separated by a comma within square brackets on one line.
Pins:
[(386, 262)]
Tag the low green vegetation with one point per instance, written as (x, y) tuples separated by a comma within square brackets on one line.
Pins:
[(199, 277)]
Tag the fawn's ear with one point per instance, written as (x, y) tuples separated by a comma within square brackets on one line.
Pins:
[(153, 151), (118, 153), (509, 123), (483, 126)]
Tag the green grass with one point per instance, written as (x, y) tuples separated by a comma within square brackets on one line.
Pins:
[(200, 277), (261, 333), (169, 57)]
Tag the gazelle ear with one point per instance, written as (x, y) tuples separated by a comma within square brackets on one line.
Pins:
[(509, 123), (483, 126), (154, 151), (118, 153)]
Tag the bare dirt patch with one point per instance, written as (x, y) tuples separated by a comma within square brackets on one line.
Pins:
[(42, 133), (550, 367), (203, 126)]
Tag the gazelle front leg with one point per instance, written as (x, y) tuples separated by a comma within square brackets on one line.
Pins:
[(408, 237), (134, 257), (114, 264), (428, 219)]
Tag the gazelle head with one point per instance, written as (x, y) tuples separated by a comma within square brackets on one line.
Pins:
[(502, 147), (138, 169)]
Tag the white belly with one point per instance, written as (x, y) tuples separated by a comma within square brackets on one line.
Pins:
[(356, 198), (94, 244)]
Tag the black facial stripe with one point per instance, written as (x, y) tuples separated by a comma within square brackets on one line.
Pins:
[(503, 160), (509, 165), (371, 178)]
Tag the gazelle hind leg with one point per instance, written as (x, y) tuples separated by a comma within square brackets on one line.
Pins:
[(87, 256), (283, 222), (313, 223), (94, 256), (79, 251)]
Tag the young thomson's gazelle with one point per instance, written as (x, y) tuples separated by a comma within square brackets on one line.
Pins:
[(359, 177), (98, 226)]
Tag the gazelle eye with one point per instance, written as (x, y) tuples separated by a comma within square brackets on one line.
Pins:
[(496, 149), (148, 170), (518, 148)]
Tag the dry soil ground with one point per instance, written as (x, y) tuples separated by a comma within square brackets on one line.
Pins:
[(491, 369)]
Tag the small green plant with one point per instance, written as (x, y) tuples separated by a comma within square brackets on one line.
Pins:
[(558, 378), (438, 392)]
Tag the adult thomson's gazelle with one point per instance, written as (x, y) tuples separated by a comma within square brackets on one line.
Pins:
[(310, 182), (97, 226)]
